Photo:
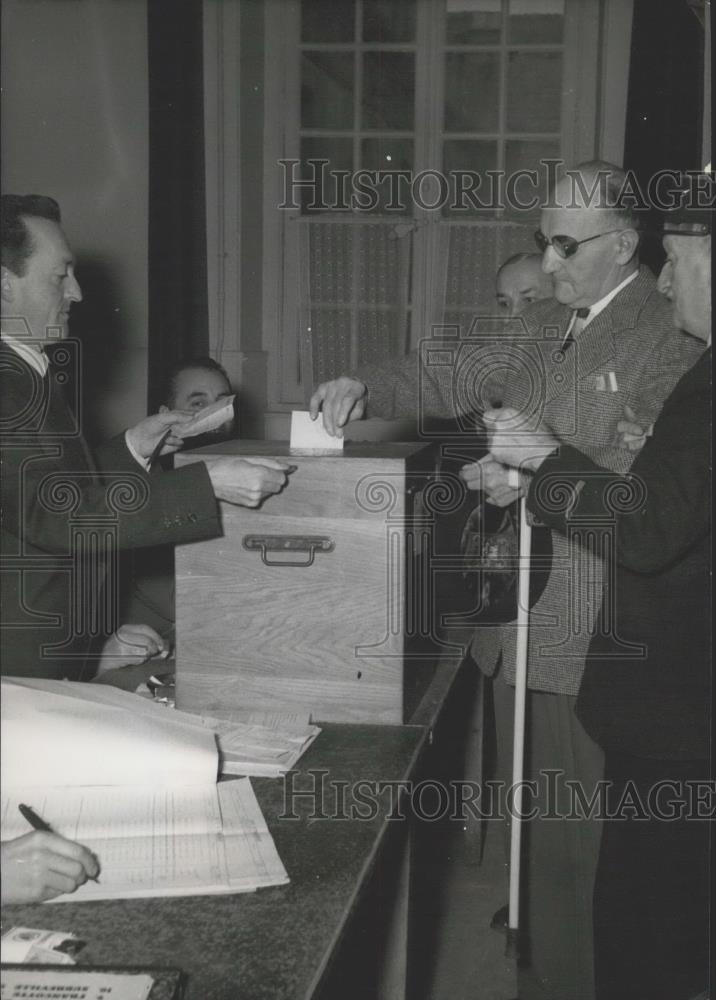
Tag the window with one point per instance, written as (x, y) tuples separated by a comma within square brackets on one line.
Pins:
[(389, 129)]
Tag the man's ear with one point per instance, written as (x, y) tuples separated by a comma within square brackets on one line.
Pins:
[(627, 245), (6, 285)]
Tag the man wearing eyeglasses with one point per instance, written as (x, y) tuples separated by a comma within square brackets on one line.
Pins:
[(606, 346), (646, 688), (603, 348)]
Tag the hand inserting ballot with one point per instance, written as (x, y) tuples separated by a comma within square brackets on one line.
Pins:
[(341, 400)]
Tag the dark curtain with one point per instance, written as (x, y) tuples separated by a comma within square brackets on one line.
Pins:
[(178, 310), (665, 99)]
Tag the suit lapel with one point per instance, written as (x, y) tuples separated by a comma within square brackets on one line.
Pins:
[(596, 344)]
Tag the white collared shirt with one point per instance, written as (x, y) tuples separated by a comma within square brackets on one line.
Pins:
[(603, 303), (34, 356)]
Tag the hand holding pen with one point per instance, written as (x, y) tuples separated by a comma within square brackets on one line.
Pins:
[(42, 864)]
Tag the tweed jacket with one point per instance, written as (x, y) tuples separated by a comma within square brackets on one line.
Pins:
[(646, 689), (65, 515), (629, 354)]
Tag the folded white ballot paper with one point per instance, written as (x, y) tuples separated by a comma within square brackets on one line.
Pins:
[(209, 419), (310, 435)]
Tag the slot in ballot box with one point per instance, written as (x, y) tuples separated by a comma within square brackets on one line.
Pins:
[(321, 600)]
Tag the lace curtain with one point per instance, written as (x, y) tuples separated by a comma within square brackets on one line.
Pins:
[(359, 290)]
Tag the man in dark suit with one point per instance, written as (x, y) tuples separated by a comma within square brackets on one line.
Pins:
[(66, 512), (645, 694), (606, 341)]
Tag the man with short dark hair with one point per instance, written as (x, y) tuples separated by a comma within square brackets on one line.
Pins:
[(193, 384), (520, 281), (66, 512), (190, 385)]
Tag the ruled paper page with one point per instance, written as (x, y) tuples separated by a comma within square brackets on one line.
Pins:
[(164, 843)]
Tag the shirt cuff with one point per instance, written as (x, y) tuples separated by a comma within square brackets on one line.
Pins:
[(144, 462)]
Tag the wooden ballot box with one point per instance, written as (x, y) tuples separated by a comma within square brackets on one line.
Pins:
[(319, 601)]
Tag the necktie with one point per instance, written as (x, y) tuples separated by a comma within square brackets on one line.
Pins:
[(579, 321)]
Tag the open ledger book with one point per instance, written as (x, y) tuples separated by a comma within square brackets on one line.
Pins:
[(136, 786)]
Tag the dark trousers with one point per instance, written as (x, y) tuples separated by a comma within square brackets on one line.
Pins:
[(651, 896)]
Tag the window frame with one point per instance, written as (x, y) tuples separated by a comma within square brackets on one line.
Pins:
[(592, 124)]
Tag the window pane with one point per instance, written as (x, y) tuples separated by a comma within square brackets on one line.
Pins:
[(386, 155), (471, 91), (465, 162), (388, 20), (473, 22), (388, 91), (534, 91), (323, 191), (526, 155), (327, 90), (536, 20), (327, 20)]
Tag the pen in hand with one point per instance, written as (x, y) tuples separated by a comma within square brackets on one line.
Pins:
[(37, 823)]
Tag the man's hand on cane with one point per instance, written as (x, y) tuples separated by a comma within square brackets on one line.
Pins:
[(514, 443)]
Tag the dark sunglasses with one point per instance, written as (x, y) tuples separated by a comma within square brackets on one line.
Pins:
[(566, 246)]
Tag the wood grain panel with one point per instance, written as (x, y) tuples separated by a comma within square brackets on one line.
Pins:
[(326, 638)]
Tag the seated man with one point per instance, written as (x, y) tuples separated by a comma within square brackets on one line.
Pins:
[(191, 385)]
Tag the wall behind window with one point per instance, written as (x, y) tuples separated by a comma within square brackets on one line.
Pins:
[(75, 126)]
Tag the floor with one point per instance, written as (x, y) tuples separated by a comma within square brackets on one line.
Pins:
[(466, 880), (469, 961)]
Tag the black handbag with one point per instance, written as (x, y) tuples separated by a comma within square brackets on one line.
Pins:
[(489, 545), (484, 590)]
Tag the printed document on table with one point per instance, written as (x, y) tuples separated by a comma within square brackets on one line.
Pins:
[(160, 842)]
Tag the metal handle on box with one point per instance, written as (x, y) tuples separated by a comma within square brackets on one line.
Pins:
[(309, 544)]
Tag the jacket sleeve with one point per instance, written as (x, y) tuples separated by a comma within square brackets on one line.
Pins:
[(661, 507), (444, 387), (180, 504), (48, 485)]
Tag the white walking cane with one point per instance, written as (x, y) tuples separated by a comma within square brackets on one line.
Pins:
[(518, 746)]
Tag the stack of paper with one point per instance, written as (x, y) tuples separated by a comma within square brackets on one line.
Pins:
[(259, 749), (258, 744), (136, 784)]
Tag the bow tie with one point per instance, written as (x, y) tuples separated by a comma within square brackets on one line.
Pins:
[(583, 312)]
